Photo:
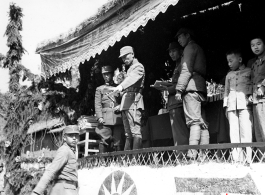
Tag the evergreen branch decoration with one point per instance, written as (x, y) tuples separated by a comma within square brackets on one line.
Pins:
[(21, 106), (14, 42)]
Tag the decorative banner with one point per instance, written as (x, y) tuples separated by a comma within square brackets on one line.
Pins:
[(208, 178)]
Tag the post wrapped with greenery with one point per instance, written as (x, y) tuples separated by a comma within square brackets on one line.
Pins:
[(22, 105)]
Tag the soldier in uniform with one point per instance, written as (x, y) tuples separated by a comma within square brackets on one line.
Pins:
[(191, 89), (110, 127), (132, 103), (63, 170), (180, 130)]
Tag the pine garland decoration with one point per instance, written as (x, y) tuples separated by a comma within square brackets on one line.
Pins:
[(14, 42)]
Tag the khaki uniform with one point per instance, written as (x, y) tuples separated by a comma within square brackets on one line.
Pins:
[(192, 85), (132, 100), (113, 126), (63, 172)]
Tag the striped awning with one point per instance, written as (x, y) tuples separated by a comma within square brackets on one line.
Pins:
[(94, 40)]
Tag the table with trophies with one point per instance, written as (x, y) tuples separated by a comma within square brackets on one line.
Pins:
[(159, 126)]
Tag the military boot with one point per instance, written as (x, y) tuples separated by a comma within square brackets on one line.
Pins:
[(137, 143), (102, 148), (128, 144)]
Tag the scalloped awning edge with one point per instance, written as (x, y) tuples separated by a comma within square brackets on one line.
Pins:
[(72, 54)]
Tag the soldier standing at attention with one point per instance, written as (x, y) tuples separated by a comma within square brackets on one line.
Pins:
[(107, 109), (63, 170), (132, 103), (191, 89)]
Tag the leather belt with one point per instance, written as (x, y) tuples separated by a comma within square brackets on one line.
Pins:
[(108, 105), (75, 183)]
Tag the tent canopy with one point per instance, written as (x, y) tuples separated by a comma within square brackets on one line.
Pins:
[(98, 33)]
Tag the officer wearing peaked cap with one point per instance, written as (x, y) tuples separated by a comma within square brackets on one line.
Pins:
[(63, 170), (132, 103), (107, 108)]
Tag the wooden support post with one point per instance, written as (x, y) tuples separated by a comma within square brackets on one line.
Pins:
[(86, 143)]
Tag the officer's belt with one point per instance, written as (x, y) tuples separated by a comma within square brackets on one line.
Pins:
[(134, 89), (74, 183), (108, 105)]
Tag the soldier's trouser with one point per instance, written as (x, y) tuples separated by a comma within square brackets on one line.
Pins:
[(259, 123), (195, 119), (115, 142), (179, 128), (132, 127), (64, 189), (118, 136), (240, 123)]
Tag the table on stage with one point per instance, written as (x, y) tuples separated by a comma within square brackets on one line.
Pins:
[(158, 128)]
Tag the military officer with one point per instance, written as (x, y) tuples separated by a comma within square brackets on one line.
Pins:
[(63, 170), (110, 127), (132, 103)]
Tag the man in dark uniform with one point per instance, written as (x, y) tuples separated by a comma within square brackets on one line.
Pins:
[(110, 127), (63, 170), (132, 103), (180, 130)]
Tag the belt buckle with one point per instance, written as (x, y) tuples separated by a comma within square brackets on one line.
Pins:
[(111, 105)]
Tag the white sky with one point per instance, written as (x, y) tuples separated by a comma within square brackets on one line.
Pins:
[(43, 19)]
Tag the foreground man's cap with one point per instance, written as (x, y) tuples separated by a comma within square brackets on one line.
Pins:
[(125, 50), (106, 69), (71, 129)]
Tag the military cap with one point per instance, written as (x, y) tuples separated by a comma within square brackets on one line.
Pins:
[(174, 45), (125, 50), (184, 31), (71, 129), (106, 69)]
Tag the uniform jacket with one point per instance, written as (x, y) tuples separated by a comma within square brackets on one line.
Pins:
[(104, 106), (134, 80), (257, 66), (63, 166), (238, 87), (172, 102), (193, 69)]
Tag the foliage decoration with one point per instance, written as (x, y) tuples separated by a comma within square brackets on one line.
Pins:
[(14, 42)]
